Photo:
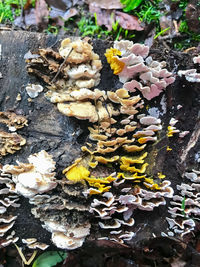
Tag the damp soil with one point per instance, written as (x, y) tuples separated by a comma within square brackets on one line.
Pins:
[(62, 137)]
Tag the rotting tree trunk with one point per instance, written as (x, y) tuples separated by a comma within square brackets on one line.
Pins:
[(61, 136)]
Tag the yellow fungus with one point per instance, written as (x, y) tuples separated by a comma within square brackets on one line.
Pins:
[(139, 160), (106, 160), (149, 183), (133, 148), (169, 148), (120, 175), (73, 165), (85, 149), (77, 174), (115, 64), (161, 176), (141, 170), (171, 131), (133, 177), (93, 164), (111, 52), (99, 183)]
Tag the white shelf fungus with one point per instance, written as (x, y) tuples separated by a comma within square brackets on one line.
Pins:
[(35, 177)]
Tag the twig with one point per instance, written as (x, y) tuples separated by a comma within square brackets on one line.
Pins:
[(23, 258), (58, 40), (61, 66)]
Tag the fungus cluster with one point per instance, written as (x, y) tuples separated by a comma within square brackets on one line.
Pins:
[(75, 66), (191, 75), (8, 204), (137, 71), (105, 186), (12, 120), (64, 214), (185, 207), (35, 177), (11, 142), (32, 243), (173, 130)]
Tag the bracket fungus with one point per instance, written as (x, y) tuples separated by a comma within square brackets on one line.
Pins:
[(8, 204), (137, 71), (12, 120), (64, 214), (35, 177), (185, 207), (10, 143), (33, 90), (110, 181), (191, 75)]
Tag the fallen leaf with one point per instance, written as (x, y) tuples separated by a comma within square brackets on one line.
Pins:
[(61, 4), (128, 22), (41, 13), (105, 4), (28, 19), (103, 16), (70, 13), (192, 14)]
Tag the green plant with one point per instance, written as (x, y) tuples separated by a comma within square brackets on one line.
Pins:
[(130, 4), (181, 3), (88, 26), (51, 29), (49, 258), (183, 206), (148, 12), (9, 9), (161, 33)]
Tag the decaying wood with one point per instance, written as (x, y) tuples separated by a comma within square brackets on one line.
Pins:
[(61, 136)]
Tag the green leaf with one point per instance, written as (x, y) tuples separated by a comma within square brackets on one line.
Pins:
[(49, 259), (183, 206), (130, 4)]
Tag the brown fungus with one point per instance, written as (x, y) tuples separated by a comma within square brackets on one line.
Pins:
[(10, 143), (12, 120)]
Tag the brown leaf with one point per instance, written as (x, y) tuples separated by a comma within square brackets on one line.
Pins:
[(27, 20), (28, 4), (192, 14), (103, 16), (70, 13), (41, 13), (61, 4), (128, 22), (105, 4)]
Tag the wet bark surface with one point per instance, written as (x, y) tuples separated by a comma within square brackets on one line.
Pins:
[(62, 136)]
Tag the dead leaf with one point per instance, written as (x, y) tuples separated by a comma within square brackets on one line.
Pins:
[(105, 4), (28, 5), (61, 4), (103, 16), (41, 13), (128, 22), (70, 13), (28, 19), (192, 14)]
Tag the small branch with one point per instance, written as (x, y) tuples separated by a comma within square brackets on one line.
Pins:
[(61, 66)]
